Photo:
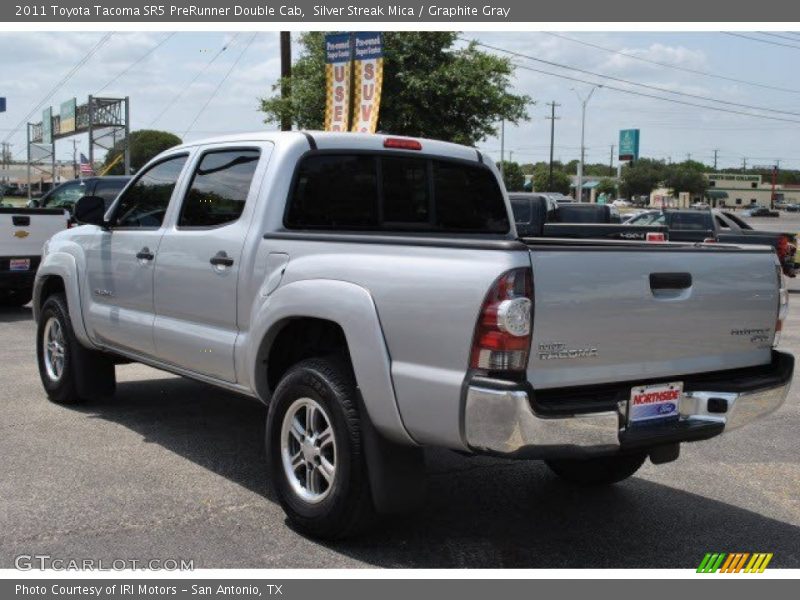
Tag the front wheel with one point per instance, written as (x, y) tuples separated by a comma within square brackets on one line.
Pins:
[(69, 372), (315, 449), (603, 470)]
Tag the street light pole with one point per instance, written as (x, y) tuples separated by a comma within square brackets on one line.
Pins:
[(584, 102)]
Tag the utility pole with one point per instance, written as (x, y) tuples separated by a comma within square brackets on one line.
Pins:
[(503, 150), (688, 156), (286, 73), (74, 158), (552, 118), (611, 161), (716, 152), (584, 102), (744, 165)]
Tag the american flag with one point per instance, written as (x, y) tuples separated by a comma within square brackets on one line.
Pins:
[(86, 167)]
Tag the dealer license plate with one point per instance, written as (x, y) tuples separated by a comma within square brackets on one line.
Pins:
[(655, 402), (19, 264)]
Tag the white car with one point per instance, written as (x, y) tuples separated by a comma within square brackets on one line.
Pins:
[(621, 203)]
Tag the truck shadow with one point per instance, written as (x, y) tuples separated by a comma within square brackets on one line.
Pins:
[(481, 512), (9, 314)]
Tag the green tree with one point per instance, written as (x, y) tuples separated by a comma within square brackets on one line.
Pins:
[(145, 144), (642, 177), (513, 176), (541, 180), (685, 178), (430, 89), (606, 186)]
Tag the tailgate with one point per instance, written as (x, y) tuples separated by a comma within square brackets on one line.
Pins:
[(607, 314), (24, 231)]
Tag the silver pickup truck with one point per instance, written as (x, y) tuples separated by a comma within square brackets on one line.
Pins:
[(372, 291)]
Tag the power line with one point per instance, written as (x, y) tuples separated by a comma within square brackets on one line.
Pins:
[(136, 62), (183, 89), (220, 84), (755, 39), (629, 82), (675, 67), (645, 95), (60, 83), (779, 36)]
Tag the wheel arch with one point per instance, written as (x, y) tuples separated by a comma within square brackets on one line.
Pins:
[(59, 273), (341, 313)]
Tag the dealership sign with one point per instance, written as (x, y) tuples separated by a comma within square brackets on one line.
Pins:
[(338, 58), (368, 70), (68, 116), (629, 144)]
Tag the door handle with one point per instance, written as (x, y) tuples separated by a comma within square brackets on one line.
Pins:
[(670, 281), (221, 259), (145, 254)]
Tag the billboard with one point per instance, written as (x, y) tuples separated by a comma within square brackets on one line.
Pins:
[(47, 126), (368, 71), (2, 105), (629, 144), (338, 61), (68, 116)]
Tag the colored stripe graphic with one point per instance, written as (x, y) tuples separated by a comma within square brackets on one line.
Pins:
[(734, 562)]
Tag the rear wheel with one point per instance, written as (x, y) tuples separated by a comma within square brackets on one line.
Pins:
[(315, 448), (602, 470), (70, 373)]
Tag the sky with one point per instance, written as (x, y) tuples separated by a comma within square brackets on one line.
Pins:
[(170, 84)]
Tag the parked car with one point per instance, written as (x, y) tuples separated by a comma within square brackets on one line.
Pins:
[(793, 208), (23, 232), (373, 292), (621, 203), (65, 195), (688, 225), (763, 211)]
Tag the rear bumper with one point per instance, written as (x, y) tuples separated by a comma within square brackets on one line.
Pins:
[(500, 417)]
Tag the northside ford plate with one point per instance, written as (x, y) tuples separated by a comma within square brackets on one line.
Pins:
[(655, 402)]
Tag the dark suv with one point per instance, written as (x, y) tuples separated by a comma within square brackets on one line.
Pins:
[(67, 194)]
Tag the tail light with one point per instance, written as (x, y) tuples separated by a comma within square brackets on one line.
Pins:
[(502, 338), (709, 241), (655, 236), (783, 306), (785, 248), (402, 144)]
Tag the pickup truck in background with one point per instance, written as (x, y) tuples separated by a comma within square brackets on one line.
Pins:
[(65, 196), (689, 225), (373, 292), (23, 232), (538, 215)]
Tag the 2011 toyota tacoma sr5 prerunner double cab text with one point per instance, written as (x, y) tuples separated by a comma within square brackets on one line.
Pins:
[(372, 291)]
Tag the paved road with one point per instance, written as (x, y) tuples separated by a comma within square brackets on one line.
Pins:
[(174, 469)]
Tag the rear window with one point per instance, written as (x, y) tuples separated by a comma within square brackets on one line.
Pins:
[(393, 192)]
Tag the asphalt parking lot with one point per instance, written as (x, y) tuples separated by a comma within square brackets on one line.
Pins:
[(170, 468)]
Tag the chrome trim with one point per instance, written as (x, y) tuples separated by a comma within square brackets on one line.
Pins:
[(502, 421)]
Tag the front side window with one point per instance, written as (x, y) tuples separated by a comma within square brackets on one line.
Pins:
[(219, 188), (145, 203), (109, 189)]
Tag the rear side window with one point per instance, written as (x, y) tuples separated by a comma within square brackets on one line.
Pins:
[(388, 192), (219, 188), (691, 221)]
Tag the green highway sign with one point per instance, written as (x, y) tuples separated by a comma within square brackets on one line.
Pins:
[(629, 144), (2, 105)]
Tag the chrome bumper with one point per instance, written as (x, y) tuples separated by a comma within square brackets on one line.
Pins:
[(501, 419)]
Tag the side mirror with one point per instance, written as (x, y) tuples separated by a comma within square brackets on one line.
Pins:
[(90, 210)]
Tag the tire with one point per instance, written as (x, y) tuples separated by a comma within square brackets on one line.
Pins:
[(603, 470), (16, 298), (70, 373), (320, 501)]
